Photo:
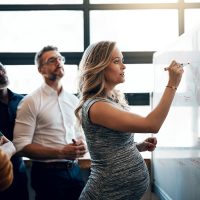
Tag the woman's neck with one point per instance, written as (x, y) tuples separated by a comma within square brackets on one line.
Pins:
[(112, 96)]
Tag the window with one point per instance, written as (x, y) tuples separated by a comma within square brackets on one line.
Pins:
[(134, 78), (192, 1), (41, 1), (135, 30), (22, 83), (192, 18), (140, 28), (131, 1), (31, 30)]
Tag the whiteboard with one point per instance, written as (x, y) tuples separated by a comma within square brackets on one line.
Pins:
[(176, 160)]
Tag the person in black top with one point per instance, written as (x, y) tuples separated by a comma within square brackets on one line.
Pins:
[(8, 106)]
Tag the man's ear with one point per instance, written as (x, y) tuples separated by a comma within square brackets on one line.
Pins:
[(41, 70)]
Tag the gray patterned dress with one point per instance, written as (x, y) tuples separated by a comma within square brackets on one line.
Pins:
[(118, 171)]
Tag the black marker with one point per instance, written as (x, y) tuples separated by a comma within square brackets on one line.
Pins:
[(182, 65)]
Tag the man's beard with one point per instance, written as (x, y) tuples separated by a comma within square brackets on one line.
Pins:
[(3, 83), (52, 77)]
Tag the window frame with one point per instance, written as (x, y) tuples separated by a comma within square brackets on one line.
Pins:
[(140, 57)]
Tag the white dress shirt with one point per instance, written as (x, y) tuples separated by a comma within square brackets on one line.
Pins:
[(46, 118)]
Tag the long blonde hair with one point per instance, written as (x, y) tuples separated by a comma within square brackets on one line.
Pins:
[(91, 72)]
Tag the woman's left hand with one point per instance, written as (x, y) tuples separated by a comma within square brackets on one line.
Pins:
[(148, 144)]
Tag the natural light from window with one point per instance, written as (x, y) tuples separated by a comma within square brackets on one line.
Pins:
[(41, 1), (154, 30), (25, 78), (29, 31), (132, 1)]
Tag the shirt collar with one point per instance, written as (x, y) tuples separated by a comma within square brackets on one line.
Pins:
[(49, 90)]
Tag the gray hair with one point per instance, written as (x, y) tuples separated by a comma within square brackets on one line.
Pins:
[(38, 56)]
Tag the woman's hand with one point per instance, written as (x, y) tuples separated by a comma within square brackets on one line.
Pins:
[(148, 144), (175, 71)]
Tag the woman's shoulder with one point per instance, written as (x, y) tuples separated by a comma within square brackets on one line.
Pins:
[(89, 102), (93, 100)]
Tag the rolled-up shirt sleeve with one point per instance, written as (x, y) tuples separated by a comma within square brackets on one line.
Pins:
[(24, 124)]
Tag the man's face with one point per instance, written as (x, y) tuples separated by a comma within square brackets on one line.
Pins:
[(52, 66), (3, 77)]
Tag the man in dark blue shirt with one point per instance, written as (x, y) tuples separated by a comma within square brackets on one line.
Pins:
[(8, 106)]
